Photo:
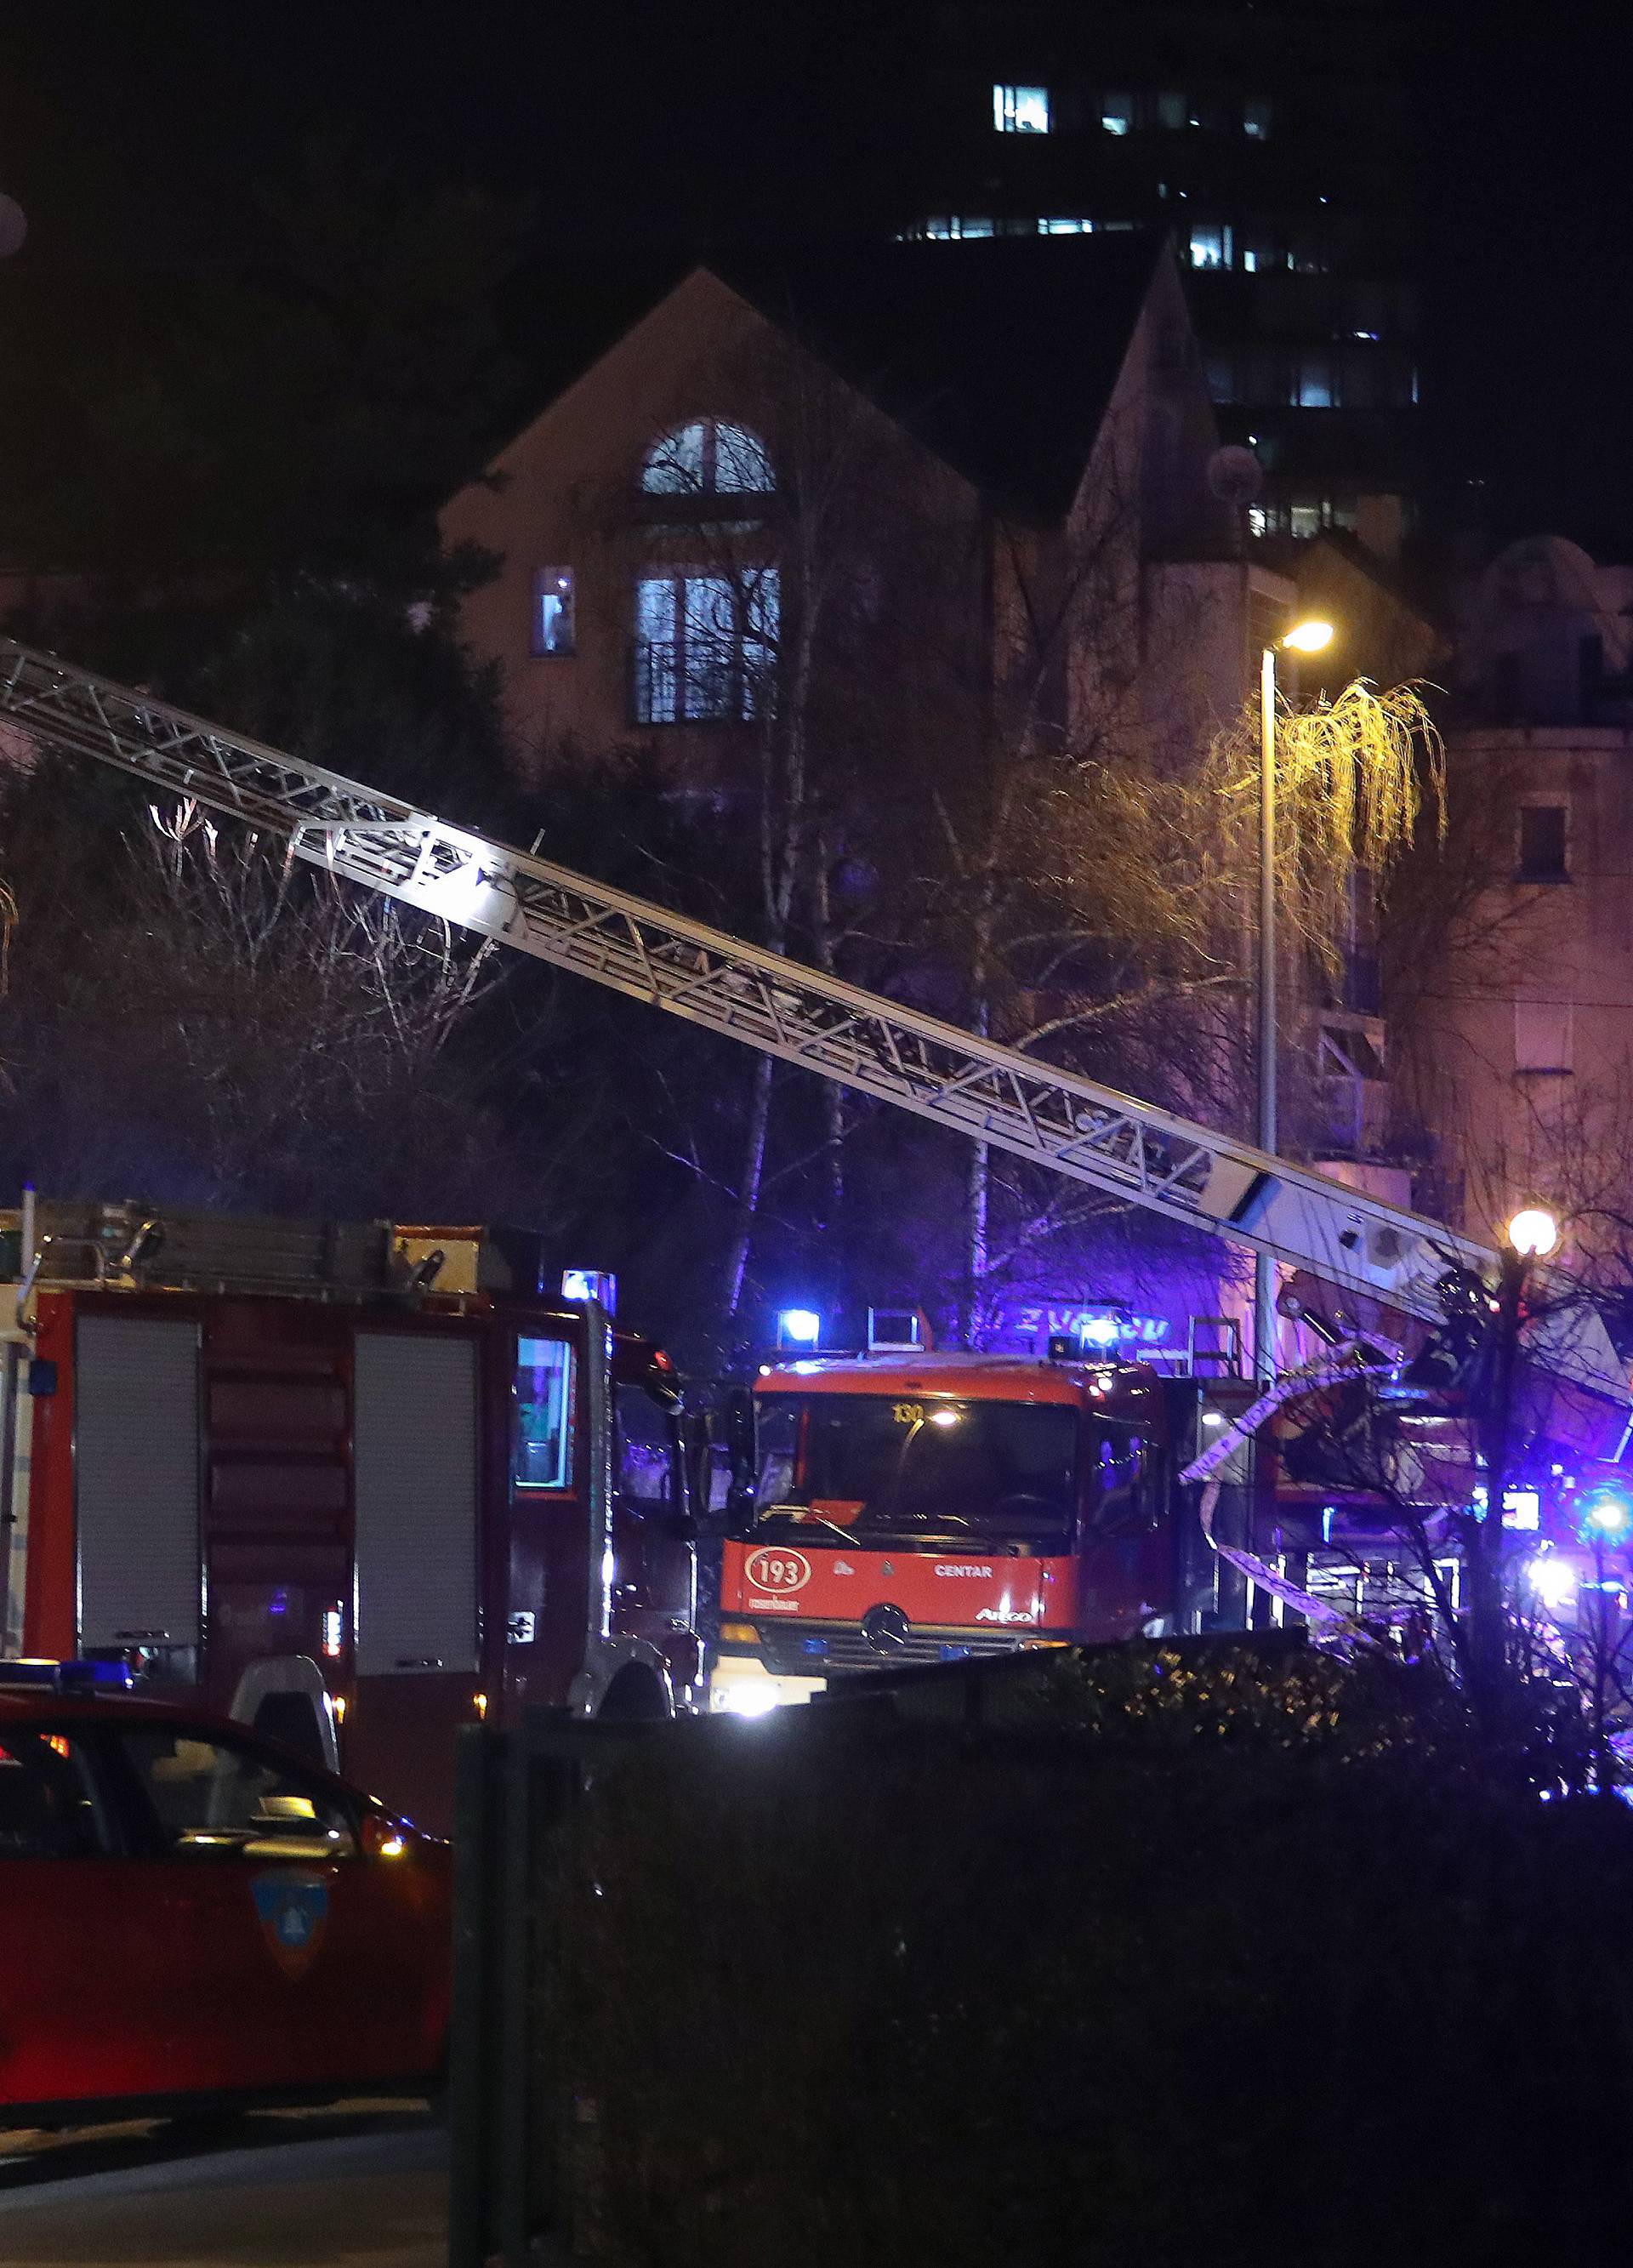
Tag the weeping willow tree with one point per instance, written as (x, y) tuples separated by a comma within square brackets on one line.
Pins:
[(1353, 775)]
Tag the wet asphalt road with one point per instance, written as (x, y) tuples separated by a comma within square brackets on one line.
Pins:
[(364, 2185)]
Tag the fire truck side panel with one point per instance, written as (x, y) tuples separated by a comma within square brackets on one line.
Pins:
[(50, 1618), (278, 1509), (136, 1480), (415, 1481)]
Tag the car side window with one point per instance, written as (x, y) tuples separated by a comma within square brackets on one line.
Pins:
[(213, 1797), (50, 1806)]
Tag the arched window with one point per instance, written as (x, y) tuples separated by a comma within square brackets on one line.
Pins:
[(708, 457)]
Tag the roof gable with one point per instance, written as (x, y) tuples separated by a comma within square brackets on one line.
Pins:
[(999, 355)]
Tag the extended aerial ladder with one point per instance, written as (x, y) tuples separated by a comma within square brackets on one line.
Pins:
[(1123, 1148)]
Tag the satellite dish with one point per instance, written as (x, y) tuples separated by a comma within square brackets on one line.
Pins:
[(1234, 475), (13, 226)]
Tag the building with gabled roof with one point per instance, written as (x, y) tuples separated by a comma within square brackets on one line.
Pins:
[(967, 482)]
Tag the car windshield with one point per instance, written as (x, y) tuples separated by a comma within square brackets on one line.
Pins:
[(877, 1466)]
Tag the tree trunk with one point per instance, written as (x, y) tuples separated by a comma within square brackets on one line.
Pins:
[(833, 1093), (747, 1205)]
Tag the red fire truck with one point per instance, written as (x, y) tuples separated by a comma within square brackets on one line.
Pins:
[(913, 1506), (353, 1485), (1084, 1511)]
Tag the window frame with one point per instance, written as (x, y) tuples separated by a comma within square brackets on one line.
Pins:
[(1524, 872), (528, 1488), (150, 1839), (738, 707), (1007, 107), (668, 1410), (706, 488), (1565, 1012), (113, 1820), (542, 577)]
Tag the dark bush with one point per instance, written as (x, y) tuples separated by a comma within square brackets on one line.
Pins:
[(1188, 1962)]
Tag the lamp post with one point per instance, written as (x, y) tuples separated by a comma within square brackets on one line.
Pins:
[(1529, 1236), (1304, 637)]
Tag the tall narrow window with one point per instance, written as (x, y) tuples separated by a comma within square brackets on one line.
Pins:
[(1020, 109), (1117, 112), (1543, 845), (553, 610), (1315, 383), (1256, 118), (544, 1413), (705, 646), (1171, 110)]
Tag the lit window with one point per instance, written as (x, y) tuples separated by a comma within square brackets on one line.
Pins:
[(553, 610), (1020, 109), (1315, 383), (704, 646), (1211, 246), (1067, 227), (1117, 113), (949, 228), (1171, 111), (1250, 261), (1256, 119), (1305, 519), (1543, 847), (544, 1413), (708, 458), (1258, 520), (1542, 1035)]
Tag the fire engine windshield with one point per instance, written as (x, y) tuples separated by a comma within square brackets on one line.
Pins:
[(875, 1467)]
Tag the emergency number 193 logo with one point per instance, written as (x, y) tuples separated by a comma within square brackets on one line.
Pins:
[(772, 1568)]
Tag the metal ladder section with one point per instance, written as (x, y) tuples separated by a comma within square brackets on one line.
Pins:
[(1091, 1133)]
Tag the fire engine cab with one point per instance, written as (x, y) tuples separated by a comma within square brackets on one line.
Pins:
[(353, 1485), (923, 1506)]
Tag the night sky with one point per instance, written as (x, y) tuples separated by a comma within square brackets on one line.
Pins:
[(136, 137)]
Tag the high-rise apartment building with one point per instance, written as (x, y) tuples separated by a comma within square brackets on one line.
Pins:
[(1278, 144)]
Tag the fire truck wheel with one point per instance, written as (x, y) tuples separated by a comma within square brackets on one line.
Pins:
[(634, 1697)]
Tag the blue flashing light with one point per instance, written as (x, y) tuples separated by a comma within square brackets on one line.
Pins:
[(67, 1676), (590, 1284), (799, 1327)]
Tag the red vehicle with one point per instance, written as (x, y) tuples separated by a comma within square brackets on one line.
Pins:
[(921, 1506), (347, 1484), (193, 1916)]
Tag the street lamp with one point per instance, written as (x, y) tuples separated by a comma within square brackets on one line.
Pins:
[(1533, 1232), (1308, 636)]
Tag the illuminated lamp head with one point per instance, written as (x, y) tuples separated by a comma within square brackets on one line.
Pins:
[(1310, 636), (1606, 1515), (1102, 1330), (1533, 1232), (799, 1327)]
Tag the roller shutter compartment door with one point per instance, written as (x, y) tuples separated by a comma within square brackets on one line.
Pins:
[(413, 1427), (136, 1480)]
